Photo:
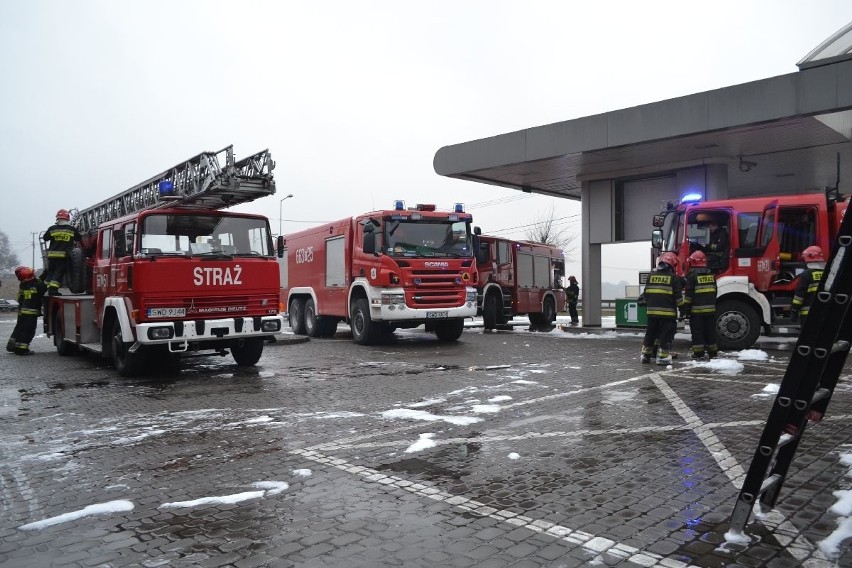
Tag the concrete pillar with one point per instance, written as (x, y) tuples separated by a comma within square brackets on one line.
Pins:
[(595, 215)]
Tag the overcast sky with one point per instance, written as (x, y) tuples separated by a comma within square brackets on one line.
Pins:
[(353, 99)]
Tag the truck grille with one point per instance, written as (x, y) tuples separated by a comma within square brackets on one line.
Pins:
[(437, 289), (217, 306)]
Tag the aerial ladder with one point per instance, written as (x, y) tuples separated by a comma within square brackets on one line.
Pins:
[(808, 384), (211, 180)]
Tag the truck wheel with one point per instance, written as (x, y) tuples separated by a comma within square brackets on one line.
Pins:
[(296, 314), (364, 331), (77, 271), (536, 319), (311, 325), (248, 351), (449, 330), (737, 325), (64, 348), (489, 312), (549, 314), (126, 363)]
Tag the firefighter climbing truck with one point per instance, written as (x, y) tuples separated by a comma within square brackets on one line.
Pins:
[(381, 271), (757, 272), (518, 278), (165, 271)]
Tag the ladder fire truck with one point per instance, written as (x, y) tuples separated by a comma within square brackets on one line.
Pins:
[(757, 274), (381, 271), (518, 278), (165, 271)]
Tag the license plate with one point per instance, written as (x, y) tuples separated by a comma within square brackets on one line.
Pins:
[(166, 312), (436, 315)]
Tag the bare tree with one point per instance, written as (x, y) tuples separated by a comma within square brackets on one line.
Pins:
[(550, 230)]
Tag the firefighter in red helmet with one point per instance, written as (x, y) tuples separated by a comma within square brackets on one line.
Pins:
[(662, 300), (30, 293), (60, 237), (699, 303), (808, 284)]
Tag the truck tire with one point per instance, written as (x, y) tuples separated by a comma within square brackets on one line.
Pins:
[(296, 315), (549, 313), (364, 330), (449, 330), (737, 325), (248, 351), (312, 328), (489, 311), (64, 348), (77, 271), (126, 363)]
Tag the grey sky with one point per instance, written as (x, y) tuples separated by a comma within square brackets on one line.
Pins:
[(352, 98)]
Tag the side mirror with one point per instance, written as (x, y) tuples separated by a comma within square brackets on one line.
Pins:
[(477, 231), (369, 244), (657, 239), (279, 246), (658, 221), (476, 245)]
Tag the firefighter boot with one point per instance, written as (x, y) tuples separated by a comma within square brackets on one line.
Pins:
[(664, 358), (712, 351), (10, 346), (647, 353), (698, 352)]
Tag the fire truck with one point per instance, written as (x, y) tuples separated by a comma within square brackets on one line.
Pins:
[(381, 271), (757, 273), (165, 271), (518, 278)]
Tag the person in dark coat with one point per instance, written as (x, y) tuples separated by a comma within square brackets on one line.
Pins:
[(662, 300), (699, 303), (30, 294), (60, 238), (572, 295), (808, 284)]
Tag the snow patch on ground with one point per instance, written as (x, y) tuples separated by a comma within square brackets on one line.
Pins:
[(721, 366), (423, 443), (753, 355)]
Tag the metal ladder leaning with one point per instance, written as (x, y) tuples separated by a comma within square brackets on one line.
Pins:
[(812, 373)]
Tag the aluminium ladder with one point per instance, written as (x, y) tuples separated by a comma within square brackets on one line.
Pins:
[(812, 373)]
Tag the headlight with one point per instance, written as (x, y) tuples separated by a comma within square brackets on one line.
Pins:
[(160, 333), (393, 299), (471, 295), (271, 325)]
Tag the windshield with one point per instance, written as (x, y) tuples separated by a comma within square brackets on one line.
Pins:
[(426, 237), (672, 232), (205, 235)]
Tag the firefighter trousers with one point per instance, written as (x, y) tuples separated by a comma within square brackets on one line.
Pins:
[(662, 330), (572, 311), (703, 328), (23, 333), (55, 273)]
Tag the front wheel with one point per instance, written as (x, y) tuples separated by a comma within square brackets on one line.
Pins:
[(248, 351), (126, 363), (364, 329), (737, 325), (449, 330), (296, 315)]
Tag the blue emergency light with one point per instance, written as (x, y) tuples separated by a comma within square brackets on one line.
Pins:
[(459, 208), (399, 205), (690, 198), (166, 187)]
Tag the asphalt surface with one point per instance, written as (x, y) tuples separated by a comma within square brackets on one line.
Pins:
[(541, 449)]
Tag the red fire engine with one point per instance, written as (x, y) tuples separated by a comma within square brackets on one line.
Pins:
[(518, 278), (757, 271), (166, 271), (381, 271)]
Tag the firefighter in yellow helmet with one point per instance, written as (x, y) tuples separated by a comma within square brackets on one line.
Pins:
[(60, 237), (30, 294), (808, 284)]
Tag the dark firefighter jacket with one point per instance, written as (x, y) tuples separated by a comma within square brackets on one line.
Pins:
[(663, 294), (61, 239), (806, 290), (700, 292), (30, 295), (573, 293)]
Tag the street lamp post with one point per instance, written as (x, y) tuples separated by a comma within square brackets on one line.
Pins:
[(280, 211)]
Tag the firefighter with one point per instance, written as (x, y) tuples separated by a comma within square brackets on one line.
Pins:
[(61, 238), (572, 294), (30, 294), (662, 300), (699, 303), (808, 283)]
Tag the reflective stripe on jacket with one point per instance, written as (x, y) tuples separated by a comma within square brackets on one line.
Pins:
[(806, 290), (700, 291), (663, 294)]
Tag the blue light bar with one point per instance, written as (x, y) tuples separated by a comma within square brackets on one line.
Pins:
[(690, 198), (459, 208), (166, 187), (399, 205)]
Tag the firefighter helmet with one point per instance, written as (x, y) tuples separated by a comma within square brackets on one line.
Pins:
[(24, 273), (669, 258), (698, 259), (572, 278), (813, 254), (63, 214)]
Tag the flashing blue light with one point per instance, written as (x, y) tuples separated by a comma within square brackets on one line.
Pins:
[(166, 187), (399, 205), (690, 198), (459, 208)]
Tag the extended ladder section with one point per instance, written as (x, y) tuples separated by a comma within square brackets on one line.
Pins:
[(211, 180), (807, 386)]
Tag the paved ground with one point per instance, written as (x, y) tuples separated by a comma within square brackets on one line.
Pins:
[(557, 449)]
